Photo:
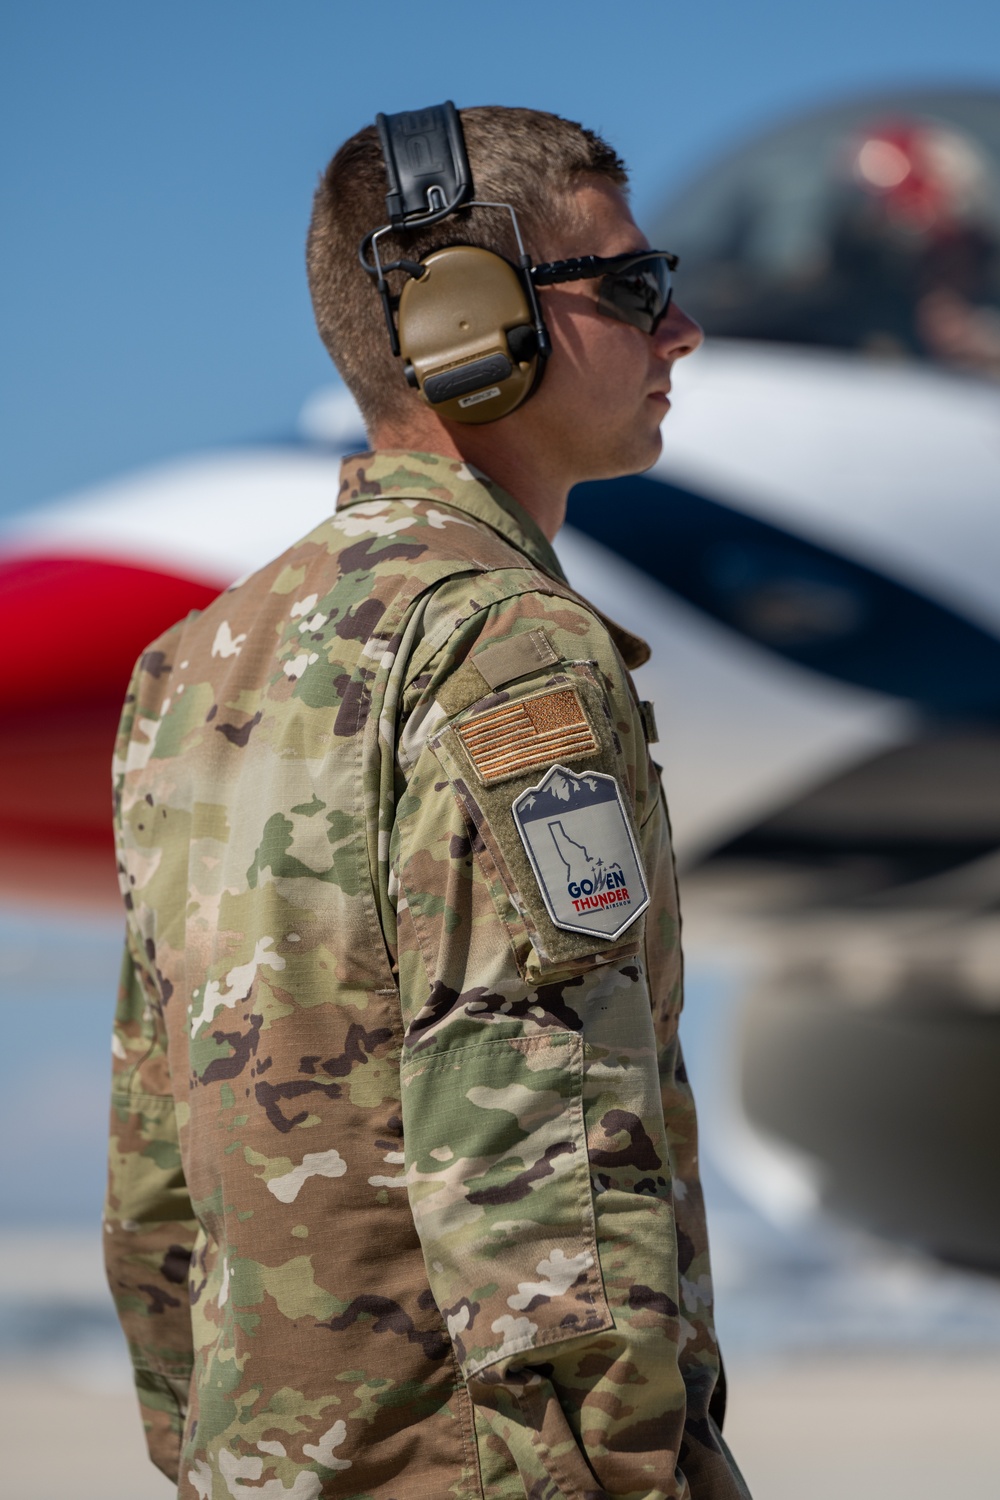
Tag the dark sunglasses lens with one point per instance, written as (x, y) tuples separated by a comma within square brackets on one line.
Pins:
[(639, 294)]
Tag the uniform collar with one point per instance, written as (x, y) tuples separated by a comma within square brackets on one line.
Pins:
[(392, 474)]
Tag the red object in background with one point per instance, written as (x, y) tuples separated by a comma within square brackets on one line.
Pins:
[(72, 628), (928, 175)]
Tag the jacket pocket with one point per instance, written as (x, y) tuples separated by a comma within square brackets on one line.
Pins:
[(487, 790)]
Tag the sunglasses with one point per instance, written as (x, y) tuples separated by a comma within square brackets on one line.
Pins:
[(635, 288)]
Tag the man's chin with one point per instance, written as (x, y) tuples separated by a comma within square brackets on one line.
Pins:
[(655, 449), (633, 458)]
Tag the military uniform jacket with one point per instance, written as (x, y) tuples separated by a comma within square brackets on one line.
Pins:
[(404, 1199)]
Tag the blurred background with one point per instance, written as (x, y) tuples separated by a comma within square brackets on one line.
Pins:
[(814, 560)]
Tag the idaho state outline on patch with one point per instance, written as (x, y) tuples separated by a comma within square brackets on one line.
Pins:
[(577, 835)]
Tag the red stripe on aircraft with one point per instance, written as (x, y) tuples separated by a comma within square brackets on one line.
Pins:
[(71, 628)]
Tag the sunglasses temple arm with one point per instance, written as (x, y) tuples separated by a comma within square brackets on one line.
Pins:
[(585, 267), (552, 271)]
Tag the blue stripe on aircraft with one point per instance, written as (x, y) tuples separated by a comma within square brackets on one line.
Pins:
[(808, 604)]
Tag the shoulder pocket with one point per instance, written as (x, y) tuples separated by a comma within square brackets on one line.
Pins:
[(578, 903)]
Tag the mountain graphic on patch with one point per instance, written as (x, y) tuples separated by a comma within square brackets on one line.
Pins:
[(577, 836)]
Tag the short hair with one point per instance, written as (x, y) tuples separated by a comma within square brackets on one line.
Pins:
[(524, 157)]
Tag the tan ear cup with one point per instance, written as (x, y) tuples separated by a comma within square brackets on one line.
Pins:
[(467, 335)]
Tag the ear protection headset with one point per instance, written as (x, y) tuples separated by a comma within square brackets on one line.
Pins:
[(467, 323)]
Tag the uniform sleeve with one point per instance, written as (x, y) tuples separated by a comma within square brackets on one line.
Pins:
[(149, 1224), (538, 1165)]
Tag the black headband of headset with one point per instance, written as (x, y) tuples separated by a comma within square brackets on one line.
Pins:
[(426, 164), (429, 177)]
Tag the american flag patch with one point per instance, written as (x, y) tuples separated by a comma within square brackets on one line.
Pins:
[(534, 732)]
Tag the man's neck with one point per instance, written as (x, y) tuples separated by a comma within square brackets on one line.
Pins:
[(511, 465)]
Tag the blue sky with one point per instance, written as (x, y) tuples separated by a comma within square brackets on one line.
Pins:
[(158, 164)]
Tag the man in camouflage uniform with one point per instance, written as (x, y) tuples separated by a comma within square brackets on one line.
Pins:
[(404, 1197)]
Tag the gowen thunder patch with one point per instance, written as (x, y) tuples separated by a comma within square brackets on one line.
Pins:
[(533, 732), (577, 836)]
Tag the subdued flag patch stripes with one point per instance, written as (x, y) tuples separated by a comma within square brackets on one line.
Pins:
[(534, 732)]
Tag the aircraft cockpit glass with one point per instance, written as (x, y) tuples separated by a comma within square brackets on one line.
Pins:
[(872, 227)]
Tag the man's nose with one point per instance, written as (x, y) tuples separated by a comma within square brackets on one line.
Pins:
[(678, 334)]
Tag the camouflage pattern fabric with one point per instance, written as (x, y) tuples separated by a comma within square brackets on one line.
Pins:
[(404, 1195)]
